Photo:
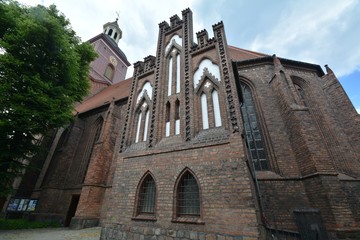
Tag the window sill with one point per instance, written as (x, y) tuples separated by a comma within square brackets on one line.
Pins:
[(188, 219), (144, 218)]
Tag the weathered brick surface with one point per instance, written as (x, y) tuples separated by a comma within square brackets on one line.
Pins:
[(311, 144), (224, 181), (309, 127)]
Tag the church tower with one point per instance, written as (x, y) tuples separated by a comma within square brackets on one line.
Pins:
[(111, 65)]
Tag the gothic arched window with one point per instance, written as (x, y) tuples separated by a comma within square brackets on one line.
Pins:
[(301, 94), (94, 136), (187, 196), (253, 136), (146, 196), (141, 118)]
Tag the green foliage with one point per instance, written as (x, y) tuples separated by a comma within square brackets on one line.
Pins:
[(8, 224), (43, 72)]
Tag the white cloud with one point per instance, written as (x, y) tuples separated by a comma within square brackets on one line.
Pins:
[(321, 32), (316, 31)]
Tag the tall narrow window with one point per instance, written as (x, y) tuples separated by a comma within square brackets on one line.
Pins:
[(253, 134), (177, 73), (167, 120), (300, 93), (89, 147), (188, 197), (138, 127), (109, 72), (146, 125), (170, 77), (115, 35), (216, 105), (204, 111), (177, 117), (147, 196), (110, 32)]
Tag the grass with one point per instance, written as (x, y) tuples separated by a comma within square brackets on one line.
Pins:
[(10, 224)]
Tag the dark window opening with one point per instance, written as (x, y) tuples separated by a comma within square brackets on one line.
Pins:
[(147, 196), (188, 202), (177, 110), (109, 72), (301, 94), (253, 134), (167, 116)]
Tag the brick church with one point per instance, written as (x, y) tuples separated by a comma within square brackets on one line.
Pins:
[(204, 141)]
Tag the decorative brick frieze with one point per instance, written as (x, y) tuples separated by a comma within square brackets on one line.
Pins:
[(225, 69), (187, 70)]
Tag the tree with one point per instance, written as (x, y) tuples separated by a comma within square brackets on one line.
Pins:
[(43, 72)]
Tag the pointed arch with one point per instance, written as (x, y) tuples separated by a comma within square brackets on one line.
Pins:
[(146, 90), (175, 41), (300, 85), (253, 135), (187, 195), (146, 196), (98, 126), (141, 118), (206, 66)]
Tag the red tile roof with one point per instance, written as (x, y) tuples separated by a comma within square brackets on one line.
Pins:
[(239, 54), (114, 92)]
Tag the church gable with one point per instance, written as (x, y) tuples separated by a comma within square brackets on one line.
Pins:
[(180, 69)]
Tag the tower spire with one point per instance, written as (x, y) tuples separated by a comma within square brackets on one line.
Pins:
[(113, 30)]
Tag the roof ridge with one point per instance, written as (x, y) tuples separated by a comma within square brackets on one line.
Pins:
[(249, 51)]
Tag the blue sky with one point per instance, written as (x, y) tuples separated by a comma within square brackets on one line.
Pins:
[(320, 32)]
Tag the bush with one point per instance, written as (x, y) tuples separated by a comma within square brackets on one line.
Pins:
[(7, 224)]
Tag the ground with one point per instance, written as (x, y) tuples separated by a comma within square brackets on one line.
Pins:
[(51, 233)]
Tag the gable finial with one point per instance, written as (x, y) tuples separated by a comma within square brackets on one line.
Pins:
[(118, 15)]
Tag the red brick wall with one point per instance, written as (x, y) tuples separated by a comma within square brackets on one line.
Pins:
[(227, 200), (307, 145)]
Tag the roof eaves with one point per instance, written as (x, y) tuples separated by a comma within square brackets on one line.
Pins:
[(284, 61)]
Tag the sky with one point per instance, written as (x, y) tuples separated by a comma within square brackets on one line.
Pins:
[(320, 32)]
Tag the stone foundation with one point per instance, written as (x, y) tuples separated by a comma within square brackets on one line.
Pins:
[(80, 223), (121, 232)]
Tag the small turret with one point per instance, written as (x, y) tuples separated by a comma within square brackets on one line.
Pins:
[(113, 30)]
